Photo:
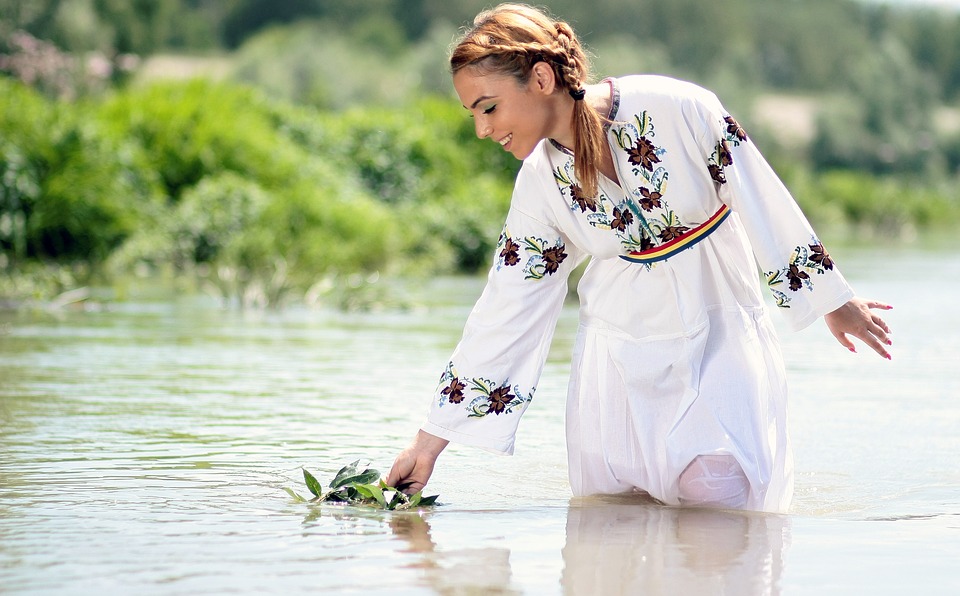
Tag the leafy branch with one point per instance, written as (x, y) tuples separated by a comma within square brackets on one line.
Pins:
[(354, 487)]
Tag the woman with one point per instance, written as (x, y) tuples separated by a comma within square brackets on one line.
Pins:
[(678, 388)]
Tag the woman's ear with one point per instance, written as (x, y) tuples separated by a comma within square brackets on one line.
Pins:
[(544, 80)]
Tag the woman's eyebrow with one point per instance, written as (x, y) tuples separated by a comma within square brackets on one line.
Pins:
[(479, 99)]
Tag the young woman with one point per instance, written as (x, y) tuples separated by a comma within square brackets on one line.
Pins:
[(677, 386)]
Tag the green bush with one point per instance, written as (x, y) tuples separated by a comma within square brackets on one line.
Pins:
[(887, 206), (187, 131), (447, 187), (68, 192)]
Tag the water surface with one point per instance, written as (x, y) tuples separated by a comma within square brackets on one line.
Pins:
[(144, 445)]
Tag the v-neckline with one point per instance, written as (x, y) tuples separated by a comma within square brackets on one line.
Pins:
[(610, 118)]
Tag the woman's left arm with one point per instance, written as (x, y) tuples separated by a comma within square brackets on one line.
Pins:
[(856, 318)]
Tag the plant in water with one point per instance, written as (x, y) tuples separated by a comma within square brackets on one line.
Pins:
[(354, 487)]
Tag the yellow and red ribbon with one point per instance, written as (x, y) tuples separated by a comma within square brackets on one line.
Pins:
[(680, 243)]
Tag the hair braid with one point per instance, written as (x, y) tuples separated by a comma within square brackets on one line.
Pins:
[(509, 40)]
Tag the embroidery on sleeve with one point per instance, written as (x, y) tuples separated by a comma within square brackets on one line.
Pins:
[(490, 398), (544, 260), (796, 274), (721, 156), (495, 399), (508, 251)]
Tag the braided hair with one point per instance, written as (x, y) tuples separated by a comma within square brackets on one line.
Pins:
[(509, 40)]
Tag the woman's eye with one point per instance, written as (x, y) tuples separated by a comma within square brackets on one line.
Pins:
[(490, 110)]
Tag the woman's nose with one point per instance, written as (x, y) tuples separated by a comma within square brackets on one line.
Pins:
[(484, 129)]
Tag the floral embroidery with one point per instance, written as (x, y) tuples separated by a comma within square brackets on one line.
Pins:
[(543, 260), (509, 253), (669, 233), (644, 220), (820, 255), (668, 227), (581, 200), (487, 397), (643, 153), (734, 129), (621, 219), (454, 391), (721, 156), (634, 138), (805, 260), (499, 399), (650, 199), (578, 201), (602, 212)]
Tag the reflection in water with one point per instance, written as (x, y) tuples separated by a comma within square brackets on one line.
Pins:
[(623, 545), (614, 545), (454, 571)]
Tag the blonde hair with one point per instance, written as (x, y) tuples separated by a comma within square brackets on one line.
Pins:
[(509, 40)]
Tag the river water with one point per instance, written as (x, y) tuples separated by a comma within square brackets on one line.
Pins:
[(145, 444)]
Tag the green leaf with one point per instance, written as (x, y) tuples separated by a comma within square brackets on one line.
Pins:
[(373, 492), (344, 474), (415, 499), (295, 496), (368, 476), (312, 483), (365, 477), (364, 490), (428, 501)]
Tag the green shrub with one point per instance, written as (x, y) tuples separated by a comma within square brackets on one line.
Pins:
[(187, 131), (68, 191)]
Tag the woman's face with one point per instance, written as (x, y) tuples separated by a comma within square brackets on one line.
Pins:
[(515, 116)]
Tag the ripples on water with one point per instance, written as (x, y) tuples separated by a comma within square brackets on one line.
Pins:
[(143, 448)]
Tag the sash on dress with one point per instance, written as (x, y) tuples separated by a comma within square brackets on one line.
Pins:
[(680, 243)]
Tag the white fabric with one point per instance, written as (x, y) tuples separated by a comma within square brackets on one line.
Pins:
[(673, 360), (714, 481)]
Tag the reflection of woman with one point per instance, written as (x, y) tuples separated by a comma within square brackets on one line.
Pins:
[(622, 547), (677, 387)]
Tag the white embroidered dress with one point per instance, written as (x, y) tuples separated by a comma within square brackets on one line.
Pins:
[(675, 358)]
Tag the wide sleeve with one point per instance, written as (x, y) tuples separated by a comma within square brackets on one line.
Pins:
[(802, 276), (493, 373)]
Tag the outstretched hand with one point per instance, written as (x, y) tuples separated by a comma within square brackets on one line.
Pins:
[(856, 318), (414, 465)]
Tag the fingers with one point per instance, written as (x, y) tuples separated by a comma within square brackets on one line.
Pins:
[(875, 304), (856, 318), (873, 340), (399, 472), (881, 324), (844, 341)]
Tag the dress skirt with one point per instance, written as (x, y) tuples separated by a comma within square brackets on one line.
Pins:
[(648, 395)]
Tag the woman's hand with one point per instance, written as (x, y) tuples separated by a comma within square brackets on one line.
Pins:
[(855, 318), (415, 464)]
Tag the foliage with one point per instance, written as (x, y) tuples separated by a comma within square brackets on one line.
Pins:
[(354, 487), (875, 126), (261, 212), (69, 191), (265, 202), (780, 43)]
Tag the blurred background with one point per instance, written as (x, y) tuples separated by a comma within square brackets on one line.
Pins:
[(273, 152)]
